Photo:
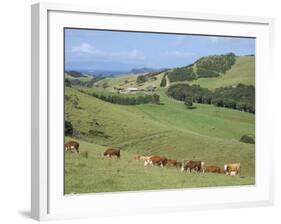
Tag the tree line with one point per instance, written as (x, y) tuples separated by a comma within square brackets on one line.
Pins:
[(240, 97), (126, 100), (215, 63), (211, 66)]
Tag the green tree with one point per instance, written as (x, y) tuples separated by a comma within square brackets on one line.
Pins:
[(67, 82), (188, 102), (141, 79), (155, 98), (163, 82)]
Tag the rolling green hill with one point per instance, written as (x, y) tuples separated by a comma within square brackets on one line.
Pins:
[(207, 133), (243, 71)]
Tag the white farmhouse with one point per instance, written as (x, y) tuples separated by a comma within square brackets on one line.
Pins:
[(132, 89)]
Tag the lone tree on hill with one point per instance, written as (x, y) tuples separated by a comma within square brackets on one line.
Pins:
[(188, 102), (156, 98)]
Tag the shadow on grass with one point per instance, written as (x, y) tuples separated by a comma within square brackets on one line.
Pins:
[(191, 108)]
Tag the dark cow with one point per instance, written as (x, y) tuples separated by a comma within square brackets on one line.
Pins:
[(212, 169), (156, 160), (112, 152), (71, 146), (193, 165)]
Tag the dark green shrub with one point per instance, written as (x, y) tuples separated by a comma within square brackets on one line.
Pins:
[(67, 82), (68, 128), (163, 82), (247, 139)]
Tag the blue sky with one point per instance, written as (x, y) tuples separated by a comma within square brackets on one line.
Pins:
[(114, 50)]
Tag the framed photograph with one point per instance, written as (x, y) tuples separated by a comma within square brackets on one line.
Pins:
[(138, 111)]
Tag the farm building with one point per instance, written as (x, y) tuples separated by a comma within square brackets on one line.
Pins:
[(132, 89)]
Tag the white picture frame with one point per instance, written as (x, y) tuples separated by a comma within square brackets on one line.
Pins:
[(47, 198)]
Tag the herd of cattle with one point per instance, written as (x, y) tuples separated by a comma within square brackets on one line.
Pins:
[(231, 169)]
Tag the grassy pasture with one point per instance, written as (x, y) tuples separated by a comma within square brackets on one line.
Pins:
[(97, 173), (207, 133)]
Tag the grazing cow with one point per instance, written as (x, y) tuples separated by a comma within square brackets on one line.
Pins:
[(156, 160), (232, 169), (171, 162), (193, 165), (71, 146), (112, 152), (144, 158), (178, 165), (212, 169), (139, 157)]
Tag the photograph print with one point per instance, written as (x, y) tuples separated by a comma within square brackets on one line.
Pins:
[(157, 111)]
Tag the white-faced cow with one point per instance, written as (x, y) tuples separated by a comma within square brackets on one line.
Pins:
[(139, 157), (193, 165), (71, 146), (232, 169), (156, 160), (112, 152)]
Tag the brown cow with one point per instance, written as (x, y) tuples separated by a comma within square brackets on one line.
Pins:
[(179, 165), (212, 169), (71, 145), (156, 160), (193, 165), (232, 169), (172, 162), (112, 152)]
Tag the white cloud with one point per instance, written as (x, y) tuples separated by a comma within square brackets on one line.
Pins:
[(86, 48)]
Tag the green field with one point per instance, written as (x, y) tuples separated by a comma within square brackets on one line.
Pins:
[(208, 133), (94, 173)]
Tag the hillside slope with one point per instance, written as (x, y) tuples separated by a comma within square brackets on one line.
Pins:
[(243, 71), (208, 133)]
